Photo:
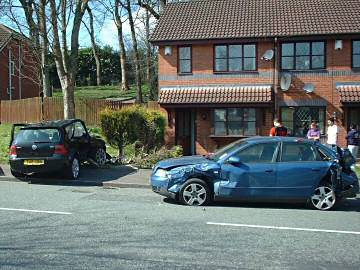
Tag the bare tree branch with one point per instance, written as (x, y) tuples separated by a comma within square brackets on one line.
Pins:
[(149, 8)]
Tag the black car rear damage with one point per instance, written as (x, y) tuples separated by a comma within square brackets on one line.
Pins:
[(51, 146)]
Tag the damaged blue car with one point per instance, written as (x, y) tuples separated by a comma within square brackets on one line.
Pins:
[(266, 169)]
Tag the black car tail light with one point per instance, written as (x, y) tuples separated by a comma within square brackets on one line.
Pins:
[(60, 149), (13, 151)]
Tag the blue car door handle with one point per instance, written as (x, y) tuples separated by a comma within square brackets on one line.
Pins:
[(315, 169), (269, 170)]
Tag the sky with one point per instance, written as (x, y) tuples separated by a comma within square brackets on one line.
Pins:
[(106, 33)]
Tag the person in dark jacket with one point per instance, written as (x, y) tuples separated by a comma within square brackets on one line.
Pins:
[(353, 140)]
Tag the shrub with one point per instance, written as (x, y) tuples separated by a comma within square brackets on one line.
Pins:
[(134, 124), (147, 160)]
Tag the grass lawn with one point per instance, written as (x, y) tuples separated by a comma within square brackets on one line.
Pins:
[(106, 91), (5, 130)]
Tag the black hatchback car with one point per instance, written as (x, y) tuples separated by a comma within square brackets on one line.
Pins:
[(55, 146)]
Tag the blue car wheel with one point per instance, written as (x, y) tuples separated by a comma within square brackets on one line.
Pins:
[(324, 197), (195, 192)]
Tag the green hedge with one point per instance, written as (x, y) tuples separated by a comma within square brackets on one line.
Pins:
[(134, 124)]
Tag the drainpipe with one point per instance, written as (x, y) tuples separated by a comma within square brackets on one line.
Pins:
[(20, 64), (10, 76), (275, 76)]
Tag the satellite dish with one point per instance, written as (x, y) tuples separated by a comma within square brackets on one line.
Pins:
[(285, 81), (309, 88), (268, 55)]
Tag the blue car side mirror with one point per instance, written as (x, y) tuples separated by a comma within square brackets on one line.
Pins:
[(234, 160)]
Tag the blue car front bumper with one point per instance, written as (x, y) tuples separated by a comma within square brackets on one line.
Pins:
[(160, 185)]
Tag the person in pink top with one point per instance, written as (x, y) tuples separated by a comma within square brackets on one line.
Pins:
[(314, 132)]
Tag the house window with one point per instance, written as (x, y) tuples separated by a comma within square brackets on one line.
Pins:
[(184, 61), (12, 68), (235, 58), (356, 54), (303, 55), (298, 119), (235, 121)]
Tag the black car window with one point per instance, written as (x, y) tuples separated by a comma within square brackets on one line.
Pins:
[(70, 131), (294, 152), (79, 130), (40, 135), (257, 153)]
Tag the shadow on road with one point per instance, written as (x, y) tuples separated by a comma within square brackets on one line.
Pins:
[(89, 176), (345, 205)]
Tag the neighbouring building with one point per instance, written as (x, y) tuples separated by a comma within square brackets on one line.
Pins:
[(19, 66), (228, 67)]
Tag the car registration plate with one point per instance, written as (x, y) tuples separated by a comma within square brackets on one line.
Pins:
[(33, 162)]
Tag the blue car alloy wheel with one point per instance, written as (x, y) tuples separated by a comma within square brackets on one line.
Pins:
[(324, 197), (195, 192)]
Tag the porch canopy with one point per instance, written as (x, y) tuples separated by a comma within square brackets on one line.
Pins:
[(349, 94), (212, 96)]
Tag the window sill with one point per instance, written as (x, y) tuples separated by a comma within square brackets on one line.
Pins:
[(236, 72), (305, 71), (355, 69), (185, 74)]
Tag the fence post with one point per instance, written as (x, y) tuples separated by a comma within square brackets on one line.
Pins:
[(42, 106)]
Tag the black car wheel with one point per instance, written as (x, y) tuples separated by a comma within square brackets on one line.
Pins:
[(100, 156), (73, 171), (324, 197), (195, 192)]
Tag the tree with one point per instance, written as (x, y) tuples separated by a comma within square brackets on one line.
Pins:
[(123, 57), (94, 46), (44, 49), (67, 60), (110, 65), (127, 6), (35, 24)]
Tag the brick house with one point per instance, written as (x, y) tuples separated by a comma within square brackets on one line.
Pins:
[(228, 67), (19, 66)]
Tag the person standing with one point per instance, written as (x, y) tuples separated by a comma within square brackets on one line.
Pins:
[(314, 132), (353, 140), (278, 129), (332, 133)]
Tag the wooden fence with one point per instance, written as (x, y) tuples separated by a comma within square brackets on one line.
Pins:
[(34, 110)]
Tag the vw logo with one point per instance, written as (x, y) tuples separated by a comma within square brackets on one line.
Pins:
[(33, 147)]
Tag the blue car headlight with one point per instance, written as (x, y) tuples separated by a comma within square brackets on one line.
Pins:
[(179, 172), (161, 173)]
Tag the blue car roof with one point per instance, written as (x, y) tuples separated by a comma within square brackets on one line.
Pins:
[(258, 139)]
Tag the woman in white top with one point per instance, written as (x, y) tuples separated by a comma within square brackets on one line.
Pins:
[(332, 132)]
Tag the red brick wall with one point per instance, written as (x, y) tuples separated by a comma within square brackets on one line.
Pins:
[(30, 70), (325, 86), (202, 60), (202, 63)]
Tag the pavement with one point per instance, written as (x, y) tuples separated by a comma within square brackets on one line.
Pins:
[(110, 176)]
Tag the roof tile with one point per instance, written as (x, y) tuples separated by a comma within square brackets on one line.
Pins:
[(211, 94), (224, 19), (349, 93)]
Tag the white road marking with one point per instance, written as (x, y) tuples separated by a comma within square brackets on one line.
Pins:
[(36, 211), (281, 228)]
